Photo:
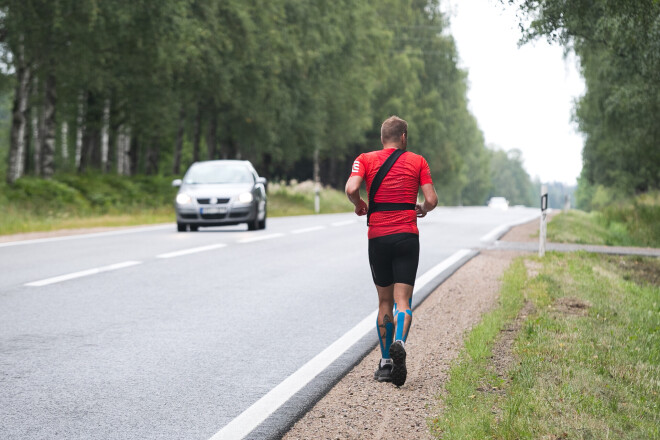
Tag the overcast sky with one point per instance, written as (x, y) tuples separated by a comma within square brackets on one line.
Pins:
[(522, 98)]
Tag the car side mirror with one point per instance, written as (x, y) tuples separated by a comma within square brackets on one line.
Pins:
[(176, 183), (262, 180)]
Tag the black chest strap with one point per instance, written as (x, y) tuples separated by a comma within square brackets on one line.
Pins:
[(378, 179)]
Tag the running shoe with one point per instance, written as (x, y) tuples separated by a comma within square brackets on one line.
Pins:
[(383, 373), (398, 355)]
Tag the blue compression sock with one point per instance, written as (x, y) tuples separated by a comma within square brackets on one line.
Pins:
[(389, 333), (400, 323)]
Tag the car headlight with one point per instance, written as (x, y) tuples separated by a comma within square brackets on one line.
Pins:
[(245, 198), (183, 199)]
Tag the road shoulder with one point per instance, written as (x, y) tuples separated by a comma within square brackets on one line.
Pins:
[(359, 407)]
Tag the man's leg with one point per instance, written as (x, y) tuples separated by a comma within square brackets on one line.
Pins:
[(403, 313), (403, 319), (404, 266), (385, 319)]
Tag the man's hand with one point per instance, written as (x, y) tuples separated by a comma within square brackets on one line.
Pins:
[(419, 209), (361, 208)]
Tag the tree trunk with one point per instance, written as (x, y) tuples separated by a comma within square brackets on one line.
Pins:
[(317, 182), (179, 140), (133, 156), (19, 121), (152, 157), (105, 136), (197, 133), (48, 127), (123, 147), (65, 141), (36, 133), (211, 142), (80, 128), (92, 136)]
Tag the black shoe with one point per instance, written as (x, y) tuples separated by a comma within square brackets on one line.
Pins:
[(383, 373), (399, 371)]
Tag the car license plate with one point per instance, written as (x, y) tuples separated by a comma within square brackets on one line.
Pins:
[(214, 210)]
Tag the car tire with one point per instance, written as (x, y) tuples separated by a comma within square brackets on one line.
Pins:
[(181, 227), (194, 228), (262, 223), (253, 225)]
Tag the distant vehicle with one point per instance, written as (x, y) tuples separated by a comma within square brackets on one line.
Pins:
[(220, 192), (498, 203)]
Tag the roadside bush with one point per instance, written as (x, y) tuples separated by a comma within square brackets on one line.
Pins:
[(641, 218), (36, 193)]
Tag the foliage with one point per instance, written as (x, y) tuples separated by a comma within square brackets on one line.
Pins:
[(633, 222), (273, 82), (584, 363), (509, 178), (618, 43)]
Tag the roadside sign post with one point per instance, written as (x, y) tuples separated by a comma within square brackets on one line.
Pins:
[(542, 229)]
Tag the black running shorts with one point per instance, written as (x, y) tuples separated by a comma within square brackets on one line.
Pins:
[(394, 259)]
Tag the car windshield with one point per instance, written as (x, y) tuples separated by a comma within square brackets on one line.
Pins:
[(218, 173)]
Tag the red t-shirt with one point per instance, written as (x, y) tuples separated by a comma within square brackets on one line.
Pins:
[(399, 186)]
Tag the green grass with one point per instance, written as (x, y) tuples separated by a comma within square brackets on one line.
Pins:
[(632, 223), (72, 201), (577, 373), (586, 228), (298, 199)]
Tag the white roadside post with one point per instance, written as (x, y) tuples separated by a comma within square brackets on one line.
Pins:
[(544, 208)]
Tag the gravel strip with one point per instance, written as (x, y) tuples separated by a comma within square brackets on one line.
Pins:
[(359, 407)]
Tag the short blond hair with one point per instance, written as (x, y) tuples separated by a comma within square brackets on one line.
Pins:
[(392, 129)]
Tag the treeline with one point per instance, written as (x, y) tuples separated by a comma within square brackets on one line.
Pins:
[(618, 44), (299, 87)]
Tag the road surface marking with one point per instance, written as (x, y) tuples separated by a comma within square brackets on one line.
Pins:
[(249, 419), (260, 237), (344, 223), (313, 228), (80, 236), (82, 273), (501, 229), (191, 251)]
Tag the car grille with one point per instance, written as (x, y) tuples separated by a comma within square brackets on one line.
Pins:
[(213, 216), (239, 214), (189, 216), (207, 201)]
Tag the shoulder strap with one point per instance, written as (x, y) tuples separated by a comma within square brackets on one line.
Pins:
[(380, 175)]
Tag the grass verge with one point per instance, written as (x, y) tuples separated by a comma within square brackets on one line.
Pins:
[(584, 363), (631, 223), (85, 201)]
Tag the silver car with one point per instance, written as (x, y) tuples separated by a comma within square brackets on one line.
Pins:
[(220, 192)]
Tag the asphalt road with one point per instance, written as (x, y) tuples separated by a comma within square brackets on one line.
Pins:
[(150, 333)]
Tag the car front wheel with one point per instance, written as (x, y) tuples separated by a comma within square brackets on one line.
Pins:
[(253, 225), (181, 227)]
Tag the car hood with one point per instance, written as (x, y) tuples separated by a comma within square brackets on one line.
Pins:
[(215, 190)]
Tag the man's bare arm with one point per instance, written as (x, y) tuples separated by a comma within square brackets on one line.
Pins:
[(430, 200), (353, 193)]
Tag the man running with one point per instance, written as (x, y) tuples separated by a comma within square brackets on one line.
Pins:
[(392, 214)]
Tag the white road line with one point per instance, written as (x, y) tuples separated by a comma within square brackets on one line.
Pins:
[(302, 231), (344, 223), (80, 236), (191, 251), (260, 237), (249, 419), (82, 273), (495, 233)]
